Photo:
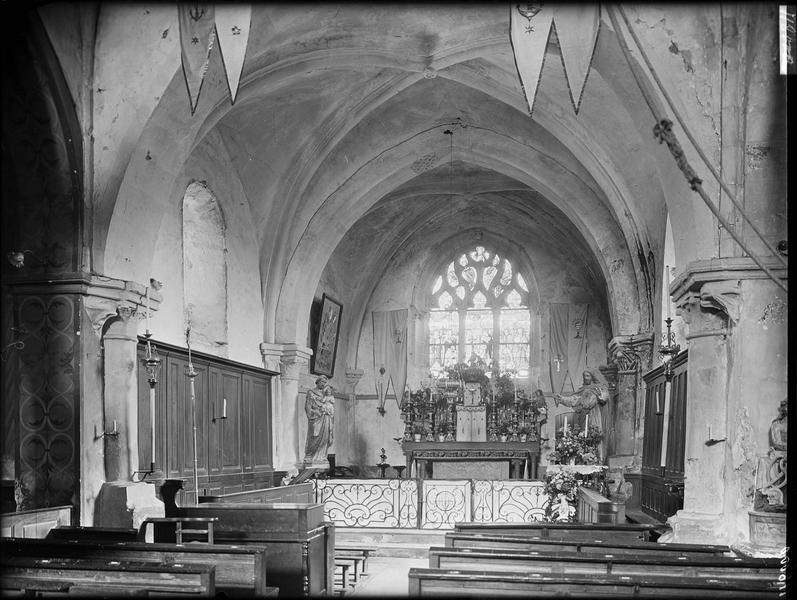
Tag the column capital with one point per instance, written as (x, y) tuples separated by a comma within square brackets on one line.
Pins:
[(631, 352), (294, 359), (271, 353), (353, 377)]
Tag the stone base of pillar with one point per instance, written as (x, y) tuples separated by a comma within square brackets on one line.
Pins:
[(767, 532), (696, 528), (126, 504)]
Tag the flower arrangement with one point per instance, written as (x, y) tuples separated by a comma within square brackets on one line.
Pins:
[(560, 487), (573, 443), (561, 482)]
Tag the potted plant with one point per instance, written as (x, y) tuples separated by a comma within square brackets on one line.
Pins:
[(523, 432), (417, 431)]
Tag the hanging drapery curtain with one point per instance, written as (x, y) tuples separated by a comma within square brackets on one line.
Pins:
[(232, 28), (390, 353), (577, 343), (577, 31), (558, 357), (197, 36)]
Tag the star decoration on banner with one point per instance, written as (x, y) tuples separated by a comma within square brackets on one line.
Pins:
[(201, 26), (576, 27)]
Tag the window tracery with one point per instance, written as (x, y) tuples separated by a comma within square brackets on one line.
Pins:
[(480, 306)]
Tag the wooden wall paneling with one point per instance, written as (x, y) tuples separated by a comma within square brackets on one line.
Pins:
[(262, 430), (230, 447), (247, 424)]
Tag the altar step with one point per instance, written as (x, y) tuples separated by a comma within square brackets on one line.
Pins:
[(405, 543)]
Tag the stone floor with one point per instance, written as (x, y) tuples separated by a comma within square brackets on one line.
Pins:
[(387, 577)]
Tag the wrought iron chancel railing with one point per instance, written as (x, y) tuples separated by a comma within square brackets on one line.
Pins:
[(429, 504)]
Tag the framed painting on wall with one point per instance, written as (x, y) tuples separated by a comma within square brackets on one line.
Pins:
[(326, 345)]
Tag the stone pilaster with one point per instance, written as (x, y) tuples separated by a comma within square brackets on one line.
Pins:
[(288, 416), (736, 373), (631, 355)]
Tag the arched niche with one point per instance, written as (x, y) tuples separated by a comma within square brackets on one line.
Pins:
[(204, 269)]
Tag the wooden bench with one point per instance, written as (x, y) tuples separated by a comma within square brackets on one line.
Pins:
[(34, 523), (625, 532), (445, 582), (602, 563), (348, 551), (240, 571), (521, 542), (31, 575), (299, 544), (341, 583)]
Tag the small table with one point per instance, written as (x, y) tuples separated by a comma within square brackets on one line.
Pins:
[(522, 456)]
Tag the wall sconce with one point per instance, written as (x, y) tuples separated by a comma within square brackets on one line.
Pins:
[(668, 349)]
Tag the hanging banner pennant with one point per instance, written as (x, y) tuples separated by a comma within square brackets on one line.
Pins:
[(390, 353), (530, 27), (577, 343), (232, 28), (577, 30), (196, 41), (558, 346)]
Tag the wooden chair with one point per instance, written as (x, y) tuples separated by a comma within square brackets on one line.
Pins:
[(180, 529)]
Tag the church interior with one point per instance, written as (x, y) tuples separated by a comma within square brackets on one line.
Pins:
[(333, 258)]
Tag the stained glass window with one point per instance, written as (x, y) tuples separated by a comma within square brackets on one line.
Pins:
[(480, 309)]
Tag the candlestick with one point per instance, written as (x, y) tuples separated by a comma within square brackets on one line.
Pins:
[(152, 422)]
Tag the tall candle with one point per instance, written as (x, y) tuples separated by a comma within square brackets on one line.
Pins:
[(224, 409), (147, 309), (152, 421), (667, 291)]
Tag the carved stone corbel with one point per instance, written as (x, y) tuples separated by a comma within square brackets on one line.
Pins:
[(353, 377), (723, 296), (99, 311)]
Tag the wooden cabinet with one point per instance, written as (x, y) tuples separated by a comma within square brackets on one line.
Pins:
[(662, 479), (233, 422)]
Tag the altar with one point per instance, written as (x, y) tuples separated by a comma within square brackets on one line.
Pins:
[(520, 458)]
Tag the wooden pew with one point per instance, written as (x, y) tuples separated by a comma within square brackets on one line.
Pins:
[(94, 534), (348, 551), (108, 577), (561, 563), (240, 571), (521, 542), (299, 544), (446, 582), (34, 523), (626, 532)]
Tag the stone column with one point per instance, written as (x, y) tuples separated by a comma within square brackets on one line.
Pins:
[(289, 409), (117, 307), (345, 447), (736, 377)]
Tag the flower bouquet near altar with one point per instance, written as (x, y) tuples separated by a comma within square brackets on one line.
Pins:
[(561, 486), (573, 445)]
